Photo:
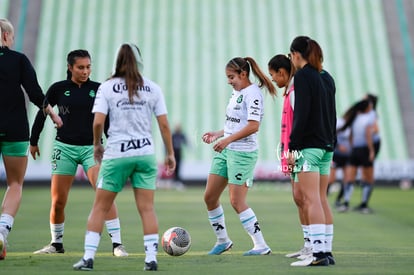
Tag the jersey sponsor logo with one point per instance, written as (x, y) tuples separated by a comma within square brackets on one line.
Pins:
[(125, 102), (135, 144), (237, 107), (256, 102), (67, 93), (232, 119), (121, 87)]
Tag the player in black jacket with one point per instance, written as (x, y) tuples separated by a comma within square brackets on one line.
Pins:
[(16, 72), (311, 146), (73, 146)]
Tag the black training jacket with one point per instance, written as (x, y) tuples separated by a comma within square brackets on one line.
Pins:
[(16, 72), (314, 117)]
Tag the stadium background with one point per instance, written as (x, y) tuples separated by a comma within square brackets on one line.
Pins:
[(368, 47)]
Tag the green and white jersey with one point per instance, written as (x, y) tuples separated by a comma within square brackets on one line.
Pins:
[(243, 106), (130, 124)]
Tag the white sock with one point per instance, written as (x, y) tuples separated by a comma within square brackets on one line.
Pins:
[(217, 222), (56, 231), (151, 247), (114, 230), (305, 230), (317, 237), (329, 232), (6, 223), (251, 225), (92, 240)]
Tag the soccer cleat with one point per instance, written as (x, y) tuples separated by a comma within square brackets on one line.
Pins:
[(50, 249), (305, 251), (120, 251), (330, 257), (2, 247), (366, 210), (320, 260), (151, 266), (86, 265), (220, 248), (254, 252), (343, 209)]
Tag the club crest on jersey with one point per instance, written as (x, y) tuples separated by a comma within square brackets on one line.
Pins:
[(240, 99), (92, 93)]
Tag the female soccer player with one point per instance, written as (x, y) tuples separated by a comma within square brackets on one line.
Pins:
[(311, 145), (282, 72), (73, 146), (236, 155), (131, 100), (16, 71)]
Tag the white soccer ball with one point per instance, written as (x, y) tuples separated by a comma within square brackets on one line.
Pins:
[(176, 241)]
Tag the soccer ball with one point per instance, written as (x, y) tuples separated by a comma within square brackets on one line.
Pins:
[(176, 241)]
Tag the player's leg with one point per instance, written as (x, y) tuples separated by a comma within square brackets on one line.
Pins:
[(112, 222), (306, 250), (240, 177), (143, 181), (15, 167), (216, 183), (15, 164)]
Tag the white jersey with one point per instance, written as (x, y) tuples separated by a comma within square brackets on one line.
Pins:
[(359, 127), (243, 106), (130, 129)]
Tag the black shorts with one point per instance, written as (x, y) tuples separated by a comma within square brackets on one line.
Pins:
[(360, 157), (377, 146), (340, 161)]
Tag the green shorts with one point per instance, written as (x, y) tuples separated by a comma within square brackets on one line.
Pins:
[(237, 167), (141, 170), (14, 148), (66, 157), (312, 160)]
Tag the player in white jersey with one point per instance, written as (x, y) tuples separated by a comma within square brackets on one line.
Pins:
[(236, 155), (362, 124), (131, 100)]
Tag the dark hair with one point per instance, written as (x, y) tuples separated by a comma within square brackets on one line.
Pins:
[(309, 49), (352, 112), (282, 61), (240, 64), (71, 59), (373, 99), (127, 67)]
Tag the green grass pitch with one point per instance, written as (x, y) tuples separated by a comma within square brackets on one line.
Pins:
[(379, 243)]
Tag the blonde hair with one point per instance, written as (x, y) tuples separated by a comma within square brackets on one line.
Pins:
[(5, 26)]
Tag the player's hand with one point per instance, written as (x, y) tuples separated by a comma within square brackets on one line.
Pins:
[(220, 145), (98, 151), (57, 120), (34, 150), (210, 137), (169, 164)]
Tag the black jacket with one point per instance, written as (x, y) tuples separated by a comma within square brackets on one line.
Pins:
[(314, 117), (16, 72)]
